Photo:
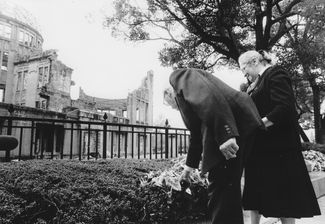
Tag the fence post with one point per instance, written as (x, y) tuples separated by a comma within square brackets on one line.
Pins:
[(9, 129), (31, 141), (185, 136), (7, 159), (105, 137), (166, 143)]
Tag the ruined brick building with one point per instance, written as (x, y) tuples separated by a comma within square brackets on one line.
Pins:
[(33, 78), (137, 108)]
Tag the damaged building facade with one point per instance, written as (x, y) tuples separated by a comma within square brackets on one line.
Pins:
[(41, 81), (35, 78), (36, 84), (137, 108), (17, 39)]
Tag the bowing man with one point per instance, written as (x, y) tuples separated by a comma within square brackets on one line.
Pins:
[(222, 122)]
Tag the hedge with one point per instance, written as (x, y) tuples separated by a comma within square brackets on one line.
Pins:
[(103, 191)]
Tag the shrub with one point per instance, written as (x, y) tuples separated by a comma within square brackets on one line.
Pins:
[(103, 191)]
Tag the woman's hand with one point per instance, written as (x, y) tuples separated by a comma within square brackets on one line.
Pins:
[(267, 122)]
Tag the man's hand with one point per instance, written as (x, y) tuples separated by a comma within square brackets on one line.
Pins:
[(229, 148), (185, 179)]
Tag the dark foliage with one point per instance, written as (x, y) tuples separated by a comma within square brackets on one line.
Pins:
[(203, 34), (92, 192)]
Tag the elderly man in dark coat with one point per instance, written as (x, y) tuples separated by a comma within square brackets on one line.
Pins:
[(222, 122)]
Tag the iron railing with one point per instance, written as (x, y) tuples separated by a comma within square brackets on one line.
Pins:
[(75, 139)]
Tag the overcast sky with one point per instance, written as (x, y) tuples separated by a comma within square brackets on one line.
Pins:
[(102, 65)]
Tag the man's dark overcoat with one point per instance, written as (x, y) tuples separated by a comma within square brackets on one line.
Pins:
[(214, 113)]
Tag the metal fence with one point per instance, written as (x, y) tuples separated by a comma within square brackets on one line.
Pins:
[(74, 139)]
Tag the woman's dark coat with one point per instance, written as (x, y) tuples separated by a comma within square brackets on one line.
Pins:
[(277, 183)]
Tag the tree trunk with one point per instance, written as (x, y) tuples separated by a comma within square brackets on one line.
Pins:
[(316, 106)]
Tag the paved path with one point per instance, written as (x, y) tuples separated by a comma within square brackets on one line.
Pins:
[(315, 220)]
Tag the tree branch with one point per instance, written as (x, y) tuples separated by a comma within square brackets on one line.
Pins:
[(291, 5), (283, 16), (216, 61), (268, 25), (282, 30), (163, 7), (209, 39), (276, 2)]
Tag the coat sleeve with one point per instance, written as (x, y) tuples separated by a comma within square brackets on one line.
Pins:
[(208, 103), (193, 124), (282, 98)]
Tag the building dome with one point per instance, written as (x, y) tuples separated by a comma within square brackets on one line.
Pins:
[(14, 11)]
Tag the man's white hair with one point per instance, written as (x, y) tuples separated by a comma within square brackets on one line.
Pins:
[(260, 56)]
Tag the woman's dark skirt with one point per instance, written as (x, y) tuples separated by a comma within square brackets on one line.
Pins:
[(278, 185)]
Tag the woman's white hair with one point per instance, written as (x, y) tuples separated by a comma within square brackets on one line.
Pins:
[(261, 56)]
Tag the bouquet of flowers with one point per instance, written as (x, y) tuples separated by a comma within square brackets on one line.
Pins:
[(316, 159), (186, 202)]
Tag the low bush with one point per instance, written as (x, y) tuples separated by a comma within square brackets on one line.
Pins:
[(103, 191)]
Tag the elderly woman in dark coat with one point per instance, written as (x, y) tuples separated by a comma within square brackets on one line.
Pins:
[(277, 183)]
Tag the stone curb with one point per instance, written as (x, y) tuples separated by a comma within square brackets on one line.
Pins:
[(271, 221)]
